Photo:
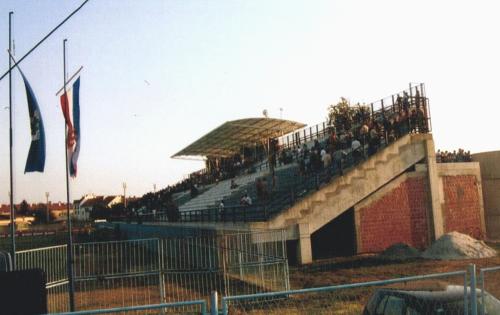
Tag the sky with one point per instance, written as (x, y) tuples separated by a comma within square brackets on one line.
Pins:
[(159, 74)]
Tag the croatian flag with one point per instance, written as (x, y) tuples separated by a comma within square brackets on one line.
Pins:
[(36, 154), (70, 105)]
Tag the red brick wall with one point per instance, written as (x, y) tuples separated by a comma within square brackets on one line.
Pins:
[(399, 216), (461, 210)]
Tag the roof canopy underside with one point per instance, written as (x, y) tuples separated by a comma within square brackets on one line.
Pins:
[(228, 138)]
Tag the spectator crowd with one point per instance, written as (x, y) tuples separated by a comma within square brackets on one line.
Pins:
[(459, 155), (353, 134)]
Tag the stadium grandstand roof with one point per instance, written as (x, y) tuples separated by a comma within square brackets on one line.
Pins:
[(228, 138)]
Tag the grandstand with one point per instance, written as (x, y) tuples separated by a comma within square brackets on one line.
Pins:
[(280, 165)]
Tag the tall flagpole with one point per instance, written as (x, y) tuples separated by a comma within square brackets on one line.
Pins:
[(11, 194), (70, 241)]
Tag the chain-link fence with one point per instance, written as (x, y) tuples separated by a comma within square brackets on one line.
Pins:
[(153, 271), (444, 293)]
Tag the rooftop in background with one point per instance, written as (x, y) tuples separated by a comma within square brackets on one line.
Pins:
[(228, 138)]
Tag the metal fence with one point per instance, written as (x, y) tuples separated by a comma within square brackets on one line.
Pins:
[(155, 271), (443, 293), (53, 260), (200, 305), (439, 293), (489, 282), (379, 110)]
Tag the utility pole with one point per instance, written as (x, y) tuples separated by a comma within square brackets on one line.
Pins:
[(124, 185), (47, 203), (11, 194)]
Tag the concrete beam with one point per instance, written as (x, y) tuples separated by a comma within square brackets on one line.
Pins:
[(304, 250), (436, 194)]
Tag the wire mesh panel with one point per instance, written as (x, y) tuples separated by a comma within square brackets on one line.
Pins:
[(199, 307), (57, 297), (236, 263), (53, 261), (114, 274), (153, 271), (489, 284), (255, 262), (430, 294), (190, 268)]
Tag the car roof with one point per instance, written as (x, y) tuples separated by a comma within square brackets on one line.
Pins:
[(450, 293)]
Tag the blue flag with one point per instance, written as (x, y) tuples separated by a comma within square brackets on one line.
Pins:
[(36, 155)]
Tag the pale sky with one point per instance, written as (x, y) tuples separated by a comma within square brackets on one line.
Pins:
[(207, 62)]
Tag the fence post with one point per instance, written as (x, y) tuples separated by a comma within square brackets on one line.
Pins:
[(214, 309), (481, 281), (224, 307), (160, 271), (473, 294)]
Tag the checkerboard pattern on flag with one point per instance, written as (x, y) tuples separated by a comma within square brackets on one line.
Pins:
[(70, 105)]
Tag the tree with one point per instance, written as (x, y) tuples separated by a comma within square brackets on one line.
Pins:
[(342, 115), (24, 208), (40, 215), (118, 210), (99, 211)]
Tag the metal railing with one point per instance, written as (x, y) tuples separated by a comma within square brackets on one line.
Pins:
[(491, 287), (157, 271), (300, 187), (448, 293), (165, 307), (53, 261), (379, 109), (278, 199), (346, 298)]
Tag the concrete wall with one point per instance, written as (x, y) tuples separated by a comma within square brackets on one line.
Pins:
[(490, 176)]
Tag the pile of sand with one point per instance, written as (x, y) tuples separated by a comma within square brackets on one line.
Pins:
[(456, 245), (400, 251)]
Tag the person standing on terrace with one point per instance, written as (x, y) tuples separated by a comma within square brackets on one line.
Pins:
[(417, 99), (406, 103)]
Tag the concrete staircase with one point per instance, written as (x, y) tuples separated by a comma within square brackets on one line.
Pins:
[(332, 199)]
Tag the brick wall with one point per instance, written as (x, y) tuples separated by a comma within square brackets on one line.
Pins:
[(461, 210), (399, 216)]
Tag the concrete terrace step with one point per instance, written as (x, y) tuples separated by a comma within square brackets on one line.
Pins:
[(334, 198)]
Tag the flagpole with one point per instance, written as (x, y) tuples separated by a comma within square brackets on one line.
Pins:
[(43, 39), (11, 194), (70, 242)]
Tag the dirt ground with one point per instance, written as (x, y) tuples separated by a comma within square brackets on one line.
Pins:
[(328, 272), (369, 268)]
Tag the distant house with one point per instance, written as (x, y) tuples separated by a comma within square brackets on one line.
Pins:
[(4, 212), (84, 206), (110, 201), (5, 209), (59, 211)]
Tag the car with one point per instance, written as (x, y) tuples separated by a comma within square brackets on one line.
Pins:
[(440, 301)]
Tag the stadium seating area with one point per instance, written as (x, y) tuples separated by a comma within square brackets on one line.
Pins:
[(302, 167)]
